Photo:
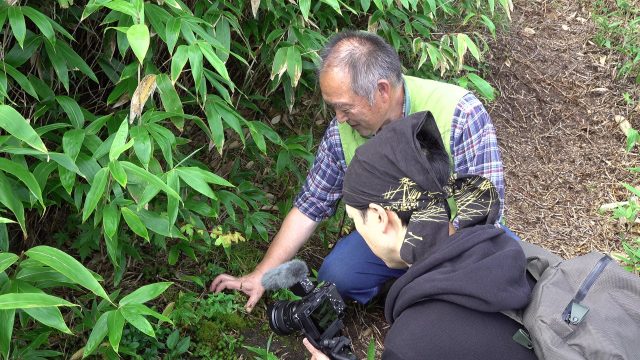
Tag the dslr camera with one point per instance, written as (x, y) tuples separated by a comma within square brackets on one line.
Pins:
[(318, 315)]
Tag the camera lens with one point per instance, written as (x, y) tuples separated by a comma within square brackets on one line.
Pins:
[(281, 317)]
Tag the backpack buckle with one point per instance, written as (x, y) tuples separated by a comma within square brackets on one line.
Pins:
[(577, 313), (523, 338)]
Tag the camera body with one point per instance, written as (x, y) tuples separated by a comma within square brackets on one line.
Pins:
[(318, 315)]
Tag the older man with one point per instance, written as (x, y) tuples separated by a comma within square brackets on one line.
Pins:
[(361, 79)]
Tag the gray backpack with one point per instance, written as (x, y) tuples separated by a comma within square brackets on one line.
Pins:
[(587, 307)]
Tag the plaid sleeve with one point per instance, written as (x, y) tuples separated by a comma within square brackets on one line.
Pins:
[(323, 187), (474, 144)]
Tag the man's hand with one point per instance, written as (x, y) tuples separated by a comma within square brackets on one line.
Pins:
[(249, 284), (315, 353)]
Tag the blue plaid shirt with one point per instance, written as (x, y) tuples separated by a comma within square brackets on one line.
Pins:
[(474, 149)]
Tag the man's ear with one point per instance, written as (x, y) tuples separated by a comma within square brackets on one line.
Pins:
[(384, 90), (377, 216)]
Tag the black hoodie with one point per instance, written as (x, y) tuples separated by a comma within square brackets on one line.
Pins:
[(447, 304)]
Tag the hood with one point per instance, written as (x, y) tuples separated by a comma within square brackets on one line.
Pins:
[(480, 268)]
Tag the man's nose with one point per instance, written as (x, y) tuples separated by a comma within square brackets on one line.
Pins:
[(340, 115)]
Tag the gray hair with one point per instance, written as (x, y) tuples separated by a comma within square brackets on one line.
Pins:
[(366, 56)]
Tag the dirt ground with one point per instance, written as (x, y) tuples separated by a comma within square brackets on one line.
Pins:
[(561, 145)]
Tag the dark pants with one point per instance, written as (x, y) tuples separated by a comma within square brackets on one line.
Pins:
[(357, 272)]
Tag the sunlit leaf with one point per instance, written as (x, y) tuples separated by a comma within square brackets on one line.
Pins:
[(139, 39), (145, 293), (6, 260), (119, 144), (29, 300), (67, 266), (172, 32), (13, 123)]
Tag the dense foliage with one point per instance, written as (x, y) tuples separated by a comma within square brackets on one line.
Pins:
[(163, 131)]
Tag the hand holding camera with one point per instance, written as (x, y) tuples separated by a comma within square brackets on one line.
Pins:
[(318, 315)]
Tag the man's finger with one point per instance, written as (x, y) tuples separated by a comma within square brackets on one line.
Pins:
[(220, 278)]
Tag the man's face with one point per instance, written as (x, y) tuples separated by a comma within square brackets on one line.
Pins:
[(373, 233), (355, 110)]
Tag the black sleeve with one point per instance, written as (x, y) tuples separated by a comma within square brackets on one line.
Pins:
[(439, 330)]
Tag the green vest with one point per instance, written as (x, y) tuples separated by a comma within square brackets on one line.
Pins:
[(420, 95)]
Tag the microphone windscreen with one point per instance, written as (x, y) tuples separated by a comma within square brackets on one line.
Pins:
[(285, 275)]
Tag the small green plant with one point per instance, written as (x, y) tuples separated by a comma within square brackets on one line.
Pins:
[(263, 353), (618, 23)]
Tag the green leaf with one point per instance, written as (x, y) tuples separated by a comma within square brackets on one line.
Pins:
[(483, 86), (98, 334), (7, 317), (67, 266), (195, 60), (22, 80), (371, 350), (214, 60), (50, 316), (8, 198), (170, 99), (204, 174), (196, 182), (279, 65), (96, 192), (115, 323), (138, 321), (144, 310), (334, 4), (173, 32), (72, 109), (473, 49), (461, 47), (118, 173), (150, 178), (134, 223), (214, 118), (41, 21), (13, 123), (141, 144), (18, 26), (59, 64), (305, 5), (110, 220), (6, 260), (122, 6), (489, 24), (17, 170), (173, 181), (30, 300), (139, 39), (75, 60), (67, 179), (119, 144), (294, 65), (145, 293), (633, 189), (178, 61), (72, 142)]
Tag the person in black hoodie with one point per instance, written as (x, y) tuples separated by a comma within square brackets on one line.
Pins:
[(462, 270)]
